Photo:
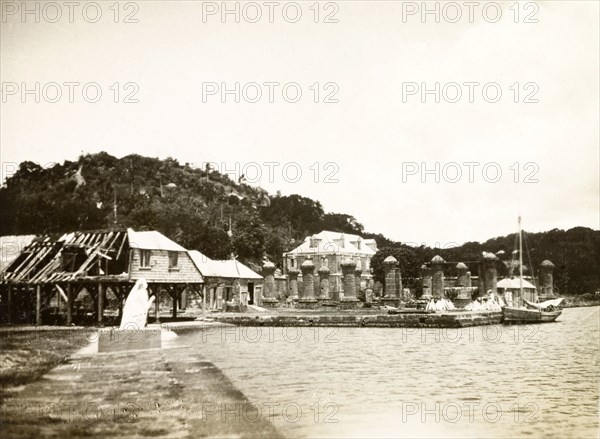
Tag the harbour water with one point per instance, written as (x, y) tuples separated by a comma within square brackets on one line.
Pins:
[(486, 381)]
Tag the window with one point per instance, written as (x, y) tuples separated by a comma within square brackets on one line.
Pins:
[(145, 258), (173, 259)]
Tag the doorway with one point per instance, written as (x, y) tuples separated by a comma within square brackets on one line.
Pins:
[(250, 293)]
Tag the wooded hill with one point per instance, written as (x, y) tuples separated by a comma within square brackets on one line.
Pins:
[(198, 207)]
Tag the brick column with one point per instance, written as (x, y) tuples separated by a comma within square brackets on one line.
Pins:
[(308, 299), (426, 281), (293, 282), (268, 272), (324, 279), (437, 282), (349, 285)]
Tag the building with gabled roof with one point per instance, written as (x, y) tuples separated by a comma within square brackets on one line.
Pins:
[(327, 250), (94, 261), (225, 280)]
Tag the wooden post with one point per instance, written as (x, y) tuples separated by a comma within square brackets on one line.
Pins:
[(119, 293), (58, 296), (69, 304), (203, 290), (174, 295), (9, 307), (100, 303), (38, 305)]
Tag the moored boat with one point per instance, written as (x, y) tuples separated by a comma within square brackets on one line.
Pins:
[(544, 312), (527, 315)]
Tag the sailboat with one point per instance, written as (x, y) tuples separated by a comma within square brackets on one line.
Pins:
[(544, 312)]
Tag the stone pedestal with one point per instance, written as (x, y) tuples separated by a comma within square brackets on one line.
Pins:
[(268, 272), (116, 340), (349, 301), (307, 299)]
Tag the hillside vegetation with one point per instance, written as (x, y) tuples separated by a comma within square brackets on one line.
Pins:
[(199, 207)]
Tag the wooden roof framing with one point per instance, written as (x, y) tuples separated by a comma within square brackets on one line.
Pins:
[(42, 261)]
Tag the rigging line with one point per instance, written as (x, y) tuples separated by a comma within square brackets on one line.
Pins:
[(512, 258), (530, 264)]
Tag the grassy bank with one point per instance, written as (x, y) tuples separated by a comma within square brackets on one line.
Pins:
[(172, 392), (27, 355)]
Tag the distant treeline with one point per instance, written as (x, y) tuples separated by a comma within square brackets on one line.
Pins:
[(208, 211)]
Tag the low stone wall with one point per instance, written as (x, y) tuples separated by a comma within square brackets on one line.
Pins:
[(404, 320)]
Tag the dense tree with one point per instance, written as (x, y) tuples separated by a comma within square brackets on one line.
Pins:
[(195, 207), (408, 259), (340, 222)]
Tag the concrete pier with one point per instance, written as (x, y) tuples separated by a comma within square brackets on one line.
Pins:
[(407, 319)]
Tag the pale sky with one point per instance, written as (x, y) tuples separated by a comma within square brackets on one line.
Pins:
[(369, 54)]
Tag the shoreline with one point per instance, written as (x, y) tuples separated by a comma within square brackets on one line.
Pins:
[(167, 392)]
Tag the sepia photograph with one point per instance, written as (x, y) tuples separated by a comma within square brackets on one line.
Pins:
[(299, 219)]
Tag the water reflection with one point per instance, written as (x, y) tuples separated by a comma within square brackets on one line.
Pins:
[(497, 381)]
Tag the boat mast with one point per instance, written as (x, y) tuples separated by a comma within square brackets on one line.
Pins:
[(520, 262)]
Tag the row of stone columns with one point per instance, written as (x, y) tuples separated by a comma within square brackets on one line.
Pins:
[(308, 298), (432, 281)]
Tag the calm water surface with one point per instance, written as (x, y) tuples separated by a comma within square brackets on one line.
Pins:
[(495, 381)]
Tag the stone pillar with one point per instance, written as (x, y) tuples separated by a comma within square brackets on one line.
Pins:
[(490, 274), (349, 300), (391, 297), (308, 299), (399, 286), (426, 281), (461, 275), (437, 282), (293, 282), (468, 279), (546, 280), (268, 272), (358, 280), (100, 304), (324, 279)]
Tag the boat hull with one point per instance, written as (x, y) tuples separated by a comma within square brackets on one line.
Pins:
[(522, 315)]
